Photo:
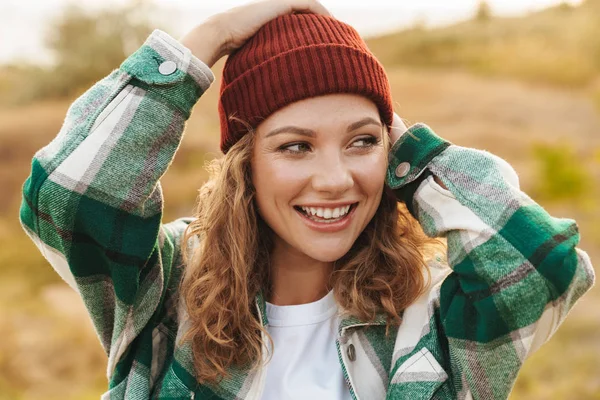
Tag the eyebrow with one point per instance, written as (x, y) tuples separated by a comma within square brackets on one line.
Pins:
[(311, 133)]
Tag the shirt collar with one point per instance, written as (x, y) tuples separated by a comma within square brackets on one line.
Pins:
[(347, 321)]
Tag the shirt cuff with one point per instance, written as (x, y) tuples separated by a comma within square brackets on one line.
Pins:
[(164, 66), (411, 154)]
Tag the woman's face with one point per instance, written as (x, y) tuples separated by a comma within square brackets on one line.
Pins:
[(325, 156)]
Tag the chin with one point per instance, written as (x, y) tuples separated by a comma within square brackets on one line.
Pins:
[(326, 253)]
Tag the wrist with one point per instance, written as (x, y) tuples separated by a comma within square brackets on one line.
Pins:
[(439, 182), (205, 42)]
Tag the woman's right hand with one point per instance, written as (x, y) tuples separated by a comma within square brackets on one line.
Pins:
[(222, 33)]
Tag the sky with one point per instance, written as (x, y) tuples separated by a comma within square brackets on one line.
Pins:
[(23, 23)]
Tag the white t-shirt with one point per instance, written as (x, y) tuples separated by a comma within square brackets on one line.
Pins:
[(304, 364)]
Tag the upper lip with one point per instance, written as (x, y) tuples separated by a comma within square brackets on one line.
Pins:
[(328, 205)]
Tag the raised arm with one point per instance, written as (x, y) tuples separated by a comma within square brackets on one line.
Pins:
[(515, 270), (93, 204)]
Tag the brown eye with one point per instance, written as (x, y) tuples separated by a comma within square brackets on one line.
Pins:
[(295, 148), (366, 141)]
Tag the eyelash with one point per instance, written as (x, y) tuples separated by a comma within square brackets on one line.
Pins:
[(370, 140)]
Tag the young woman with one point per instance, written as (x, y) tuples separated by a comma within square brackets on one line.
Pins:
[(310, 268)]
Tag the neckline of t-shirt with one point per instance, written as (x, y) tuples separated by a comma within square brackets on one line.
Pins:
[(302, 314)]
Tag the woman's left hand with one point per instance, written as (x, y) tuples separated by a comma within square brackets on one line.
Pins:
[(398, 128)]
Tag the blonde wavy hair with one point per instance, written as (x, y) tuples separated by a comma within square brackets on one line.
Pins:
[(384, 271)]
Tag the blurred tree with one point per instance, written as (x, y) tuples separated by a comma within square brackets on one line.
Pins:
[(87, 46), (484, 11), (565, 6)]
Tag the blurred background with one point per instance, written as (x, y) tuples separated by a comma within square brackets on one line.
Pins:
[(520, 79)]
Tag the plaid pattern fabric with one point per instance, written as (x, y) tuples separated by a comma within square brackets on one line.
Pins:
[(516, 271), (92, 205)]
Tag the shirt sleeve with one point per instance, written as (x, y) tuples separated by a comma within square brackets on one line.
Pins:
[(516, 271), (93, 202)]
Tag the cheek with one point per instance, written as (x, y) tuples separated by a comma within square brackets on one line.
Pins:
[(276, 182), (370, 174)]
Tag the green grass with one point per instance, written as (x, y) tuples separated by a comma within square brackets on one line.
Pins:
[(561, 173)]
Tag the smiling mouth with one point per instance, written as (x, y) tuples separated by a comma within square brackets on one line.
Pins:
[(327, 217)]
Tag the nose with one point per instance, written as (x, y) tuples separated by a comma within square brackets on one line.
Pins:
[(332, 175)]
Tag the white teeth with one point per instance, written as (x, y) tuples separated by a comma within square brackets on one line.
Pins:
[(327, 213)]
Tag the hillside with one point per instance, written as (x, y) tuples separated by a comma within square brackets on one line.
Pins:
[(519, 88), (504, 117), (557, 46)]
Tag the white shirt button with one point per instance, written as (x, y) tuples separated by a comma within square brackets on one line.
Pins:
[(167, 68), (402, 169)]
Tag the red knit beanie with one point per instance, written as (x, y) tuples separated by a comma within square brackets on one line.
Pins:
[(294, 57)]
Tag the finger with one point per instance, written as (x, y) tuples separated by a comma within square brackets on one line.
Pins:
[(319, 8), (397, 129), (312, 6), (398, 125)]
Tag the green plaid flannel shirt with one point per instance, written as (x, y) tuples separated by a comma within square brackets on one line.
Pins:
[(93, 203)]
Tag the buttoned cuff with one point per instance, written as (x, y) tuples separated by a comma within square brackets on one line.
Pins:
[(411, 154), (165, 67)]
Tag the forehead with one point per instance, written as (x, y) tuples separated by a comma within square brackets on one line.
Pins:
[(329, 111)]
